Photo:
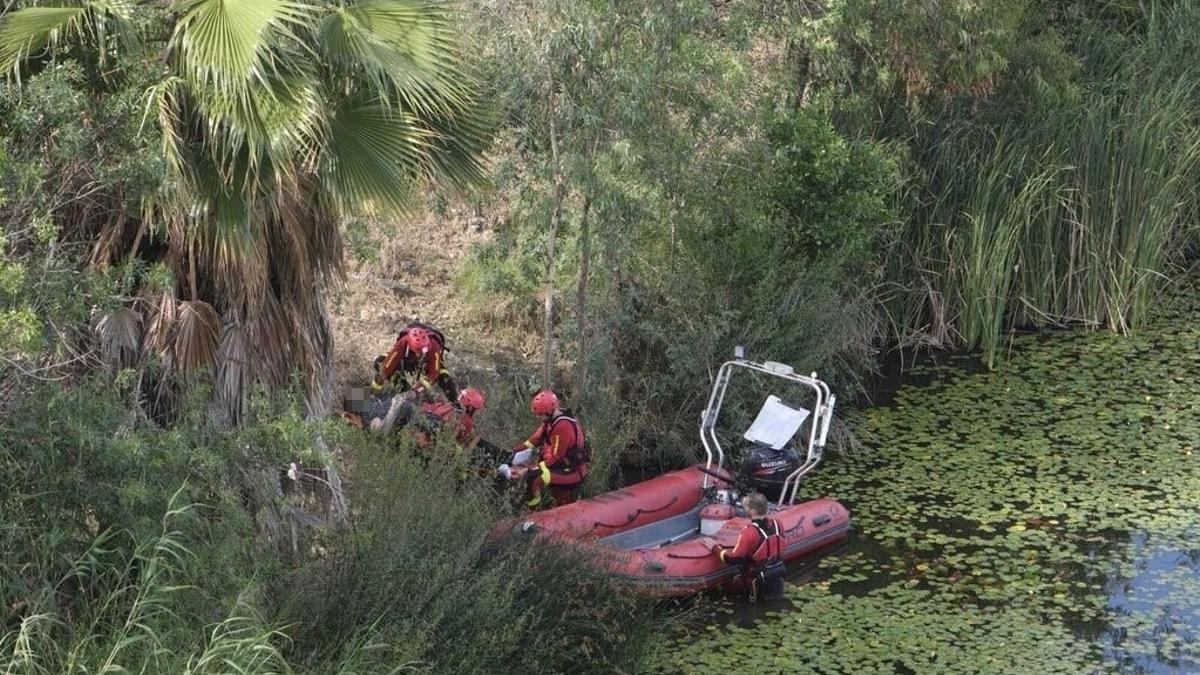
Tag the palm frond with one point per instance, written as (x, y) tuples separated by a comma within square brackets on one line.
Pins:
[(120, 14), (239, 58), (119, 333), (271, 349), (159, 334), (280, 123), (195, 344), (314, 350), (28, 31), (375, 155), (405, 48), (227, 44), (229, 228), (458, 142), (165, 101)]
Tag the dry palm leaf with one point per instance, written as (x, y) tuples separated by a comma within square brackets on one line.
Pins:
[(233, 372), (314, 351), (196, 332), (159, 336), (119, 333), (271, 351)]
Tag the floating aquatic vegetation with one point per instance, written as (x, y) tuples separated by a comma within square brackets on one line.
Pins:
[(1043, 517), (894, 627)]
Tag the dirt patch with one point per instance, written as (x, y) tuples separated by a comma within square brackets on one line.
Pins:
[(414, 279)]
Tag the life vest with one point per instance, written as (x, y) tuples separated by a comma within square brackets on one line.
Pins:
[(580, 452), (438, 412), (768, 569), (770, 547), (435, 416)]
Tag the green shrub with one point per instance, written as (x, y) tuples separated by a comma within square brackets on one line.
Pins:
[(128, 545), (418, 581)]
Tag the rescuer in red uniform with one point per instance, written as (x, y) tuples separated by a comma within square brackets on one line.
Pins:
[(461, 417), (563, 453), (419, 351), (759, 550)]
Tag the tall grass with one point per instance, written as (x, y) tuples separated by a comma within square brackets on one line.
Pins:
[(1069, 218), (120, 610)]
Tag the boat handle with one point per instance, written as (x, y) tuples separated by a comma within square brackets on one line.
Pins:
[(689, 557)]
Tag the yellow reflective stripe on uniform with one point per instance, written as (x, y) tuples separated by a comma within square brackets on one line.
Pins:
[(545, 473)]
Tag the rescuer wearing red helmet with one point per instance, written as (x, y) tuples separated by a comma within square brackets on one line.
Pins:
[(440, 414), (419, 350), (563, 452), (470, 401)]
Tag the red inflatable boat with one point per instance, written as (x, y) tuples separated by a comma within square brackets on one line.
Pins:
[(658, 534)]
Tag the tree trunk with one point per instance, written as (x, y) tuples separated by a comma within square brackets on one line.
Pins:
[(319, 328), (551, 236), (192, 268), (585, 256)]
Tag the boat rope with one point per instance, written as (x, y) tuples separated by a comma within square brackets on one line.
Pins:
[(636, 514), (794, 527)]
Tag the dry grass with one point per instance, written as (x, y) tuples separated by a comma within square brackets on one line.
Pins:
[(414, 279)]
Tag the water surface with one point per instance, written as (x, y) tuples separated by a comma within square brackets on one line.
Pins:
[(1040, 518)]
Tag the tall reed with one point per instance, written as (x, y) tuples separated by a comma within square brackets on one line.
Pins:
[(1071, 218)]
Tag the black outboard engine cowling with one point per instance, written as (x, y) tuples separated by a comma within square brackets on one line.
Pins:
[(765, 468)]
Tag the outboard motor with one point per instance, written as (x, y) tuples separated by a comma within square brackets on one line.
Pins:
[(765, 469)]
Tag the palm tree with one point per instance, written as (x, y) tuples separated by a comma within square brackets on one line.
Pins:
[(278, 118)]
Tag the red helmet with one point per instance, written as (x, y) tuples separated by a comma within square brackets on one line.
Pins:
[(544, 402), (472, 398), (418, 339)]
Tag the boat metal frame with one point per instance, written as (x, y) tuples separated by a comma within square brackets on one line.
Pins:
[(818, 430)]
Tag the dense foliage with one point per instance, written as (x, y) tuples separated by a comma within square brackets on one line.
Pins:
[(129, 546), (211, 149), (814, 180), (171, 181), (822, 180)]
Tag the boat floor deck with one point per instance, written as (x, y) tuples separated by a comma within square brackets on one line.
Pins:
[(675, 529)]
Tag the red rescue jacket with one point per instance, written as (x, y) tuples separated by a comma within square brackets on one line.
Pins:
[(758, 542), (430, 364), (557, 439), (445, 414)]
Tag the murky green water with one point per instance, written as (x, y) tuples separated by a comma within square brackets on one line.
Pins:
[(1043, 518)]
